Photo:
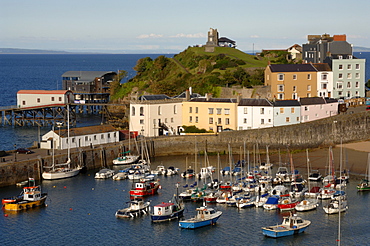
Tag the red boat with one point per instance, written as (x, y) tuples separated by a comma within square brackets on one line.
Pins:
[(226, 185), (287, 203), (144, 188)]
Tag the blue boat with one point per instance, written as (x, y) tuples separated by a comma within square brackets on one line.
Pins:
[(169, 210), (291, 225), (205, 216)]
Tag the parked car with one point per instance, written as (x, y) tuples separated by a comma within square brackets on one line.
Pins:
[(23, 151)]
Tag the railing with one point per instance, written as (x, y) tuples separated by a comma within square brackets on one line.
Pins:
[(8, 107)]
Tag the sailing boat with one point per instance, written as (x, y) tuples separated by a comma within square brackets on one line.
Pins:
[(126, 158), (364, 185), (63, 170)]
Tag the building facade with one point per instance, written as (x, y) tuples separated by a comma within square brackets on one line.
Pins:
[(286, 112), (316, 108), (41, 98), (255, 113)]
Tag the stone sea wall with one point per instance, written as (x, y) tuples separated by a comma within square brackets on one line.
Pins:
[(321, 133)]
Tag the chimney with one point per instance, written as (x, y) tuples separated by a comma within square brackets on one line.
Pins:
[(208, 96), (187, 95)]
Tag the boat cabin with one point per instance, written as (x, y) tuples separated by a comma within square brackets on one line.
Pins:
[(292, 221), (203, 212), (32, 193), (165, 208)]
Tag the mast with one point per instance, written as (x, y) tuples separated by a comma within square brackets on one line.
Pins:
[(68, 146), (308, 170)]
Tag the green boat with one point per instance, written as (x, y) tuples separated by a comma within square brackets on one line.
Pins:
[(364, 185)]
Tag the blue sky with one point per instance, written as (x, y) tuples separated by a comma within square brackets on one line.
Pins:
[(148, 26)]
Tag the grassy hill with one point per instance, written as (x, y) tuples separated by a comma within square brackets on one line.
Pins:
[(203, 71)]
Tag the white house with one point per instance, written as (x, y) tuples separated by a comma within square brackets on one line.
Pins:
[(79, 137), (41, 98), (155, 115), (324, 80), (254, 113)]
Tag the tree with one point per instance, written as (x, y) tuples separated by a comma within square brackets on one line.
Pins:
[(116, 83)]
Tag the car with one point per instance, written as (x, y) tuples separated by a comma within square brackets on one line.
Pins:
[(23, 151)]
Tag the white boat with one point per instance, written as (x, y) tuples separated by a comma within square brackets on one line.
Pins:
[(279, 190), (160, 170), (205, 216), (63, 170), (307, 205), (120, 175), (315, 176), (271, 203), (260, 200), (137, 207), (290, 226), (126, 159), (172, 171), (104, 173), (338, 204)]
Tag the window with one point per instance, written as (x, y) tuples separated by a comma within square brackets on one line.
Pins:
[(262, 111), (210, 110), (190, 118), (309, 76), (357, 75), (324, 86), (305, 108), (133, 111), (219, 121), (348, 94), (227, 111), (292, 110), (114, 135), (52, 99), (340, 76), (23, 102), (219, 111), (196, 119), (94, 137), (287, 119), (349, 76), (141, 111), (294, 96), (308, 94), (172, 120), (159, 110), (349, 66), (165, 120), (308, 87), (324, 76), (210, 120), (262, 121), (280, 88), (108, 135), (102, 136), (60, 99), (245, 110), (357, 84), (190, 110), (348, 85), (339, 85), (281, 110), (86, 138), (73, 140), (141, 122), (340, 93), (227, 121), (38, 100), (280, 77), (174, 109), (245, 120), (357, 66), (294, 88), (294, 76), (297, 118), (280, 96), (196, 110)]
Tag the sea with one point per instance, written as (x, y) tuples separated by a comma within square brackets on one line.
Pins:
[(80, 210)]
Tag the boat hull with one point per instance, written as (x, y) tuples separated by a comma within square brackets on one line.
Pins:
[(127, 213), (60, 174), (282, 231), (23, 205), (193, 224), (161, 218)]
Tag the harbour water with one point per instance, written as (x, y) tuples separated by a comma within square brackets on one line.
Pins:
[(80, 211)]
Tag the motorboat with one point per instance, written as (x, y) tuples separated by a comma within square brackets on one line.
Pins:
[(136, 208), (271, 203), (315, 176), (291, 225), (144, 188), (30, 197), (338, 203), (126, 159), (287, 203), (104, 173), (160, 170), (205, 216), (122, 174), (307, 205)]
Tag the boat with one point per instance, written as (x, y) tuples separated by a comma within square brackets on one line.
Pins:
[(122, 174), (126, 159), (172, 171), (160, 170), (291, 225), (315, 176), (30, 197), (186, 194), (261, 200), (189, 173), (205, 216), (364, 185), (307, 205), (338, 203), (63, 170), (104, 173), (168, 210), (137, 207), (313, 192), (144, 188), (271, 203), (246, 202), (287, 203)]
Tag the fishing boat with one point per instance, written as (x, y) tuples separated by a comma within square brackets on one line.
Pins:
[(62, 170), (104, 173), (144, 188), (30, 197), (205, 216), (137, 207), (291, 225), (168, 210), (364, 185)]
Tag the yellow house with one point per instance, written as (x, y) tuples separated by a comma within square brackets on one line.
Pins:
[(210, 113), (291, 81)]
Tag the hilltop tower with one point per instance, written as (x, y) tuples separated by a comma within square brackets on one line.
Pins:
[(212, 41)]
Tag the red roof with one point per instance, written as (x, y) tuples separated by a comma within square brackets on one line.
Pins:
[(42, 92), (164, 204)]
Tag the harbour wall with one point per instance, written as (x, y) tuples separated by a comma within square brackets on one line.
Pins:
[(320, 133)]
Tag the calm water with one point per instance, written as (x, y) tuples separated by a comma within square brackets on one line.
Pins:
[(43, 72), (81, 211)]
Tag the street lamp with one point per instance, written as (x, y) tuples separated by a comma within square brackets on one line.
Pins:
[(59, 125)]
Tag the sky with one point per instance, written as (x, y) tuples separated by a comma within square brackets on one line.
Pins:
[(170, 26)]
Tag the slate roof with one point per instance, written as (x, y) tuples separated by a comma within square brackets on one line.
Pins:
[(153, 97), (276, 68), (203, 99), (224, 39), (312, 100), (87, 130), (286, 103), (322, 67), (86, 75), (254, 102)]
